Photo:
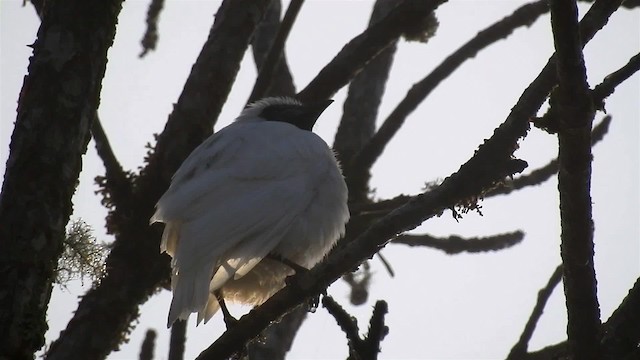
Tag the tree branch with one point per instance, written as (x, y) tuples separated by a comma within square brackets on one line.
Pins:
[(455, 244), (148, 345), (150, 38), (177, 340), (520, 348), (364, 47), (360, 109), (55, 111), (357, 171), (269, 66), (282, 81), (104, 314), (574, 113), (611, 81), (544, 173)]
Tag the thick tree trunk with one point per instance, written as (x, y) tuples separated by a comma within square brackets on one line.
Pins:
[(57, 104)]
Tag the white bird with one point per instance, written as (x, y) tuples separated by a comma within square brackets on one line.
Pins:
[(265, 185)]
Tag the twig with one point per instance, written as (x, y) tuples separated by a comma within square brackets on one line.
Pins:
[(377, 330), (357, 171), (148, 345), (520, 348), (574, 111), (268, 68), (150, 38), (456, 245), (282, 81), (177, 340), (611, 81), (365, 47), (544, 173), (347, 323)]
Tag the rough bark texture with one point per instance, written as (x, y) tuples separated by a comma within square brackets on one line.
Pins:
[(57, 103), (575, 114)]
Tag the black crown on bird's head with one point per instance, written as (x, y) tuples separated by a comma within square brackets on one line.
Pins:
[(286, 109)]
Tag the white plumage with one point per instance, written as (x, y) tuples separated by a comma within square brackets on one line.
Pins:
[(258, 186)]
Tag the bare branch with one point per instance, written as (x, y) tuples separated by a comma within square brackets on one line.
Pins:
[(282, 80), (268, 68), (148, 345), (365, 47), (544, 173), (456, 244), (276, 340), (150, 39), (177, 340), (520, 348), (609, 84), (369, 347), (357, 171), (360, 109), (574, 111)]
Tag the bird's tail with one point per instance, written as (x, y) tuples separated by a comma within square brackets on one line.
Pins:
[(190, 292)]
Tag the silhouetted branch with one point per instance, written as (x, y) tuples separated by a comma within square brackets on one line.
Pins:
[(359, 281), (150, 38), (177, 340), (544, 173), (360, 109), (282, 80), (574, 113), (105, 312), (148, 345), (276, 340), (56, 107), (369, 347), (268, 68), (621, 333), (364, 47), (116, 184), (357, 171), (611, 81), (456, 244), (520, 348)]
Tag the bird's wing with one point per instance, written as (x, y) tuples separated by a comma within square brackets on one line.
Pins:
[(234, 198)]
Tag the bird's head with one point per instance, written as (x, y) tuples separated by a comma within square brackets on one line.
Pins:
[(286, 109)]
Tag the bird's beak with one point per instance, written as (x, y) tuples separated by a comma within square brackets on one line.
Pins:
[(314, 109)]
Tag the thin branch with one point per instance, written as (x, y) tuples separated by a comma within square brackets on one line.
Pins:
[(520, 348), (276, 340), (609, 84), (544, 173), (116, 185), (148, 345), (268, 68), (177, 340), (456, 244), (574, 111), (282, 81), (357, 171), (347, 323), (150, 38), (364, 47), (621, 333), (360, 109), (377, 331)]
